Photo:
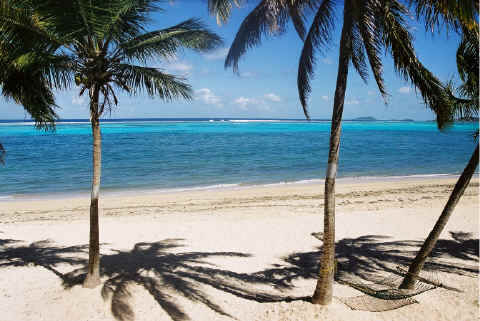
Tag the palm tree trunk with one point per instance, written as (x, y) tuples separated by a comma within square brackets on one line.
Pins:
[(93, 274), (429, 244), (324, 288)]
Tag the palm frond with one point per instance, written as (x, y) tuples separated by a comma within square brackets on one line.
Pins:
[(222, 9), (126, 19), (462, 108), (55, 69), (358, 53), (152, 81), (190, 34), (453, 14), (316, 42), (468, 63), (33, 94), (268, 18), (399, 41), (373, 43), (296, 9), (20, 25)]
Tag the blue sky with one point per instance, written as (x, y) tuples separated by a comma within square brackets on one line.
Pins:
[(266, 86)]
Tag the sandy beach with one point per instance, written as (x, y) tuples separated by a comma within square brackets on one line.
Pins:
[(235, 254)]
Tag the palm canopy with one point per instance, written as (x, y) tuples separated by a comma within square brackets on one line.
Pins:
[(466, 105), (98, 45), (25, 85), (373, 27)]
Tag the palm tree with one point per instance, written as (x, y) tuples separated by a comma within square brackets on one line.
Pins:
[(101, 47), (25, 85), (369, 27), (464, 107)]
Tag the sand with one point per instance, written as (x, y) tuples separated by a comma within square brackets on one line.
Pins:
[(235, 254)]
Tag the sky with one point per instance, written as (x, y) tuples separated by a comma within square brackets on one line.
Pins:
[(266, 85)]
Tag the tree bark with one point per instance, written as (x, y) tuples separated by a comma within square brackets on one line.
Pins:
[(427, 247), (93, 274), (324, 288)]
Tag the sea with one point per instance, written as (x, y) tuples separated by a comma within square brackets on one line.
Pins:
[(182, 154)]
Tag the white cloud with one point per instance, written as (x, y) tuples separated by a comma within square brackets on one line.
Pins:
[(179, 66), (327, 61), (208, 97), (217, 54), (175, 66), (247, 74), (244, 103), (78, 100), (273, 97), (404, 90), (325, 98), (351, 102)]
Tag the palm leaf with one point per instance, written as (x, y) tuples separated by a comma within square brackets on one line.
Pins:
[(468, 63), (399, 41), (222, 9), (33, 94), (373, 43), (21, 25), (358, 53), (268, 18), (452, 13), (316, 41), (152, 81), (126, 19), (190, 34)]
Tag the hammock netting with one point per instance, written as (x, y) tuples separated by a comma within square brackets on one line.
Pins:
[(384, 295)]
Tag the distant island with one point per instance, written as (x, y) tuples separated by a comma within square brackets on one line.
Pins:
[(365, 118), (369, 118)]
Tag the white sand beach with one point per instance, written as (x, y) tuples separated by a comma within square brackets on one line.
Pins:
[(235, 254)]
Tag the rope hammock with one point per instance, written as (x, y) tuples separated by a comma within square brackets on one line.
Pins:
[(386, 296)]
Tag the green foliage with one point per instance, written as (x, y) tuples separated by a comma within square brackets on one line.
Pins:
[(465, 105), (374, 27), (452, 14), (100, 46)]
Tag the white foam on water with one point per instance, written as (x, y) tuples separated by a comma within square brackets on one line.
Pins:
[(253, 120)]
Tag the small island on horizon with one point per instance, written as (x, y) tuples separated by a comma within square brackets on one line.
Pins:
[(370, 118)]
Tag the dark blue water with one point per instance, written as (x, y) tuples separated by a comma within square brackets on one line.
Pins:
[(183, 154)]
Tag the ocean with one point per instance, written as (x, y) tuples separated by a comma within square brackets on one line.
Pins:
[(206, 153)]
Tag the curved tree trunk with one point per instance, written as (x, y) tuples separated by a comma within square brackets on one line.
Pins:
[(93, 275), (429, 244), (324, 288)]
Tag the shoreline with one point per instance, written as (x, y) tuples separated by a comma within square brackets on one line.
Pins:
[(125, 192), (234, 247), (307, 198)]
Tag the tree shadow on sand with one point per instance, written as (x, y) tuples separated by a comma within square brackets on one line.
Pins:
[(166, 275), (371, 257), (169, 274), (157, 267)]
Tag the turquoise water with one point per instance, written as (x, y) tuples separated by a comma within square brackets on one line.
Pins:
[(186, 154)]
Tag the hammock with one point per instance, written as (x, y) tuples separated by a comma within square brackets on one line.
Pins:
[(377, 299)]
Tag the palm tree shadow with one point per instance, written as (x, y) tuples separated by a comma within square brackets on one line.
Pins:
[(158, 267), (168, 274), (371, 258), (41, 253)]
